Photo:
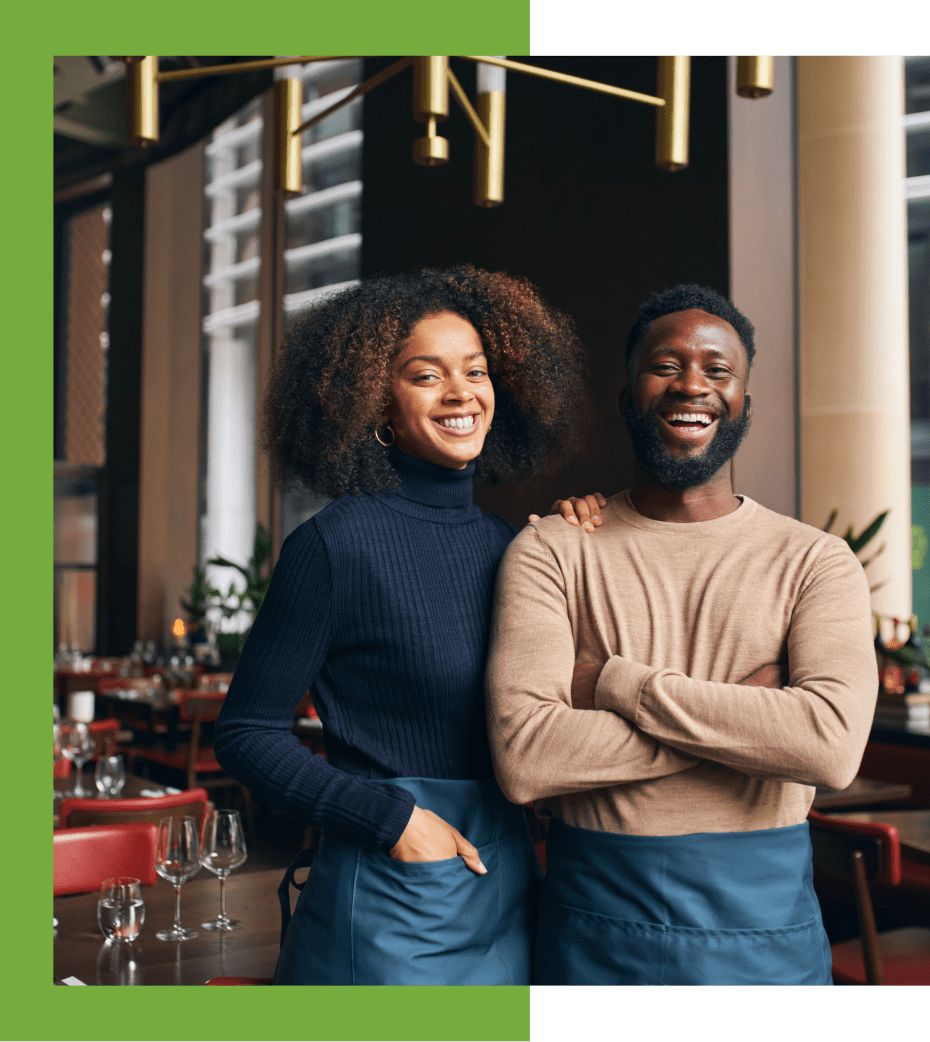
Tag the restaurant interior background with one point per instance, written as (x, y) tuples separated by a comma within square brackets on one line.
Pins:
[(178, 267)]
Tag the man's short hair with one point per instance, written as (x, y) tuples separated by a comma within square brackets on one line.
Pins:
[(682, 298)]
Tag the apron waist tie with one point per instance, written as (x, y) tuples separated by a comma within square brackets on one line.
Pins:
[(303, 860)]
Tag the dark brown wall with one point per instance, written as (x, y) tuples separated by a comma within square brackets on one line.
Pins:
[(587, 217)]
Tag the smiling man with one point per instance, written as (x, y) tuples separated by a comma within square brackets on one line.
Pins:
[(735, 644)]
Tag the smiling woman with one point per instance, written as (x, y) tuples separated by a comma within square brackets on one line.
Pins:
[(329, 393), (380, 604), (442, 398)]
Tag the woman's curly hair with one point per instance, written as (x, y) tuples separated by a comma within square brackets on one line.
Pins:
[(330, 381)]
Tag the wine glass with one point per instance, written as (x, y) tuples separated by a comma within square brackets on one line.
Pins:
[(176, 859), (110, 775), (79, 748), (57, 742), (221, 850)]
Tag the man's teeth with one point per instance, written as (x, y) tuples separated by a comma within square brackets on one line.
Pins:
[(690, 417), (458, 421)]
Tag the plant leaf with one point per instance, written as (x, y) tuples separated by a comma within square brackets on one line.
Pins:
[(830, 520), (223, 562), (865, 564), (856, 543)]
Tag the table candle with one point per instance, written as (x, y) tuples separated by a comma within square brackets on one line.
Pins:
[(81, 706)]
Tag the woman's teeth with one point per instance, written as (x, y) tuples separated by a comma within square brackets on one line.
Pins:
[(458, 422)]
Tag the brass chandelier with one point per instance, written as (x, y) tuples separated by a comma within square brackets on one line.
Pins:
[(432, 80)]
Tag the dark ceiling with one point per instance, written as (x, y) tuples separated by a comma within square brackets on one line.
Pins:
[(90, 119)]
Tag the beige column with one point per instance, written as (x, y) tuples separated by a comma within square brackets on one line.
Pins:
[(855, 450)]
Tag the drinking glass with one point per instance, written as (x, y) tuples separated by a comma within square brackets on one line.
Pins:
[(57, 752), (79, 748), (120, 910), (110, 775), (177, 859), (221, 850)]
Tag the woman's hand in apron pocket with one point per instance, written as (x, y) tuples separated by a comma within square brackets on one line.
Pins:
[(428, 838)]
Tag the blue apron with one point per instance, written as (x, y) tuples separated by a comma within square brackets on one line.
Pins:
[(709, 908), (364, 918)]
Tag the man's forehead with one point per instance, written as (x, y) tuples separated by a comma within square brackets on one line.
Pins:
[(692, 328)]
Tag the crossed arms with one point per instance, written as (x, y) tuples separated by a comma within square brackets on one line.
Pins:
[(649, 722)]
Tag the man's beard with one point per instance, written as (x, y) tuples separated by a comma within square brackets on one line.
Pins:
[(682, 471)]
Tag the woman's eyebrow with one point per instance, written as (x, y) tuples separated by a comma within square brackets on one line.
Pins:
[(436, 360)]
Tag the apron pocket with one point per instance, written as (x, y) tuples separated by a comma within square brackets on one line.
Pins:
[(580, 948), (430, 922)]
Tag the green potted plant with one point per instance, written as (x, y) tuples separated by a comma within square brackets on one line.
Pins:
[(250, 597), (910, 654), (857, 543), (200, 597)]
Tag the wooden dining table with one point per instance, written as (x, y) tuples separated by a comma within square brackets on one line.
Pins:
[(81, 952), (863, 792), (913, 828)]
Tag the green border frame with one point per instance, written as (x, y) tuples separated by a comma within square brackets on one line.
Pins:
[(39, 1010)]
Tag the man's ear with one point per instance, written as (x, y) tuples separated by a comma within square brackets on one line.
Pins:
[(624, 396), (748, 398)]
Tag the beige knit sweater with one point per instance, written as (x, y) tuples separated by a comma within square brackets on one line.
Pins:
[(680, 613)]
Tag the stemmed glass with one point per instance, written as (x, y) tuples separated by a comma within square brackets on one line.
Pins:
[(110, 775), (79, 749), (221, 850), (57, 752), (176, 859)]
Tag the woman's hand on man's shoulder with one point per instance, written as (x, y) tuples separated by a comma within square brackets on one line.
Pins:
[(579, 510)]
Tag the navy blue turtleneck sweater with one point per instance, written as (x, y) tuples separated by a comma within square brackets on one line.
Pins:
[(381, 606)]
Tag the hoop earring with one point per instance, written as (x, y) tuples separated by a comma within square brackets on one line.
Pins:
[(386, 444)]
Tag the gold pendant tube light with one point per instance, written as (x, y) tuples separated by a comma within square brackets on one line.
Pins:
[(755, 76), (431, 82), (491, 105), (142, 100), (431, 104), (674, 85), (288, 172)]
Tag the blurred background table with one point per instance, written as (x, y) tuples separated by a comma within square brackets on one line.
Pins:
[(862, 793)]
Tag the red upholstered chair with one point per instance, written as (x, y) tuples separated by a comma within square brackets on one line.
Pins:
[(541, 853), (83, 858), (196, 758), (79, 813), (863, 852), (239, 980), (192, 758)]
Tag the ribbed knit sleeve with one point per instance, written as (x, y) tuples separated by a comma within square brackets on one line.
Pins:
[(281, 660)]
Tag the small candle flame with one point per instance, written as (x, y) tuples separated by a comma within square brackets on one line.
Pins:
[(179, 629)]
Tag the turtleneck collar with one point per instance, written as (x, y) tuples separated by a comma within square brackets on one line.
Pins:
[(432, 492)]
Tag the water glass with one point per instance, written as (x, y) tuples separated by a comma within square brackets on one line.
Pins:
[(120, 910), (110, 775)]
